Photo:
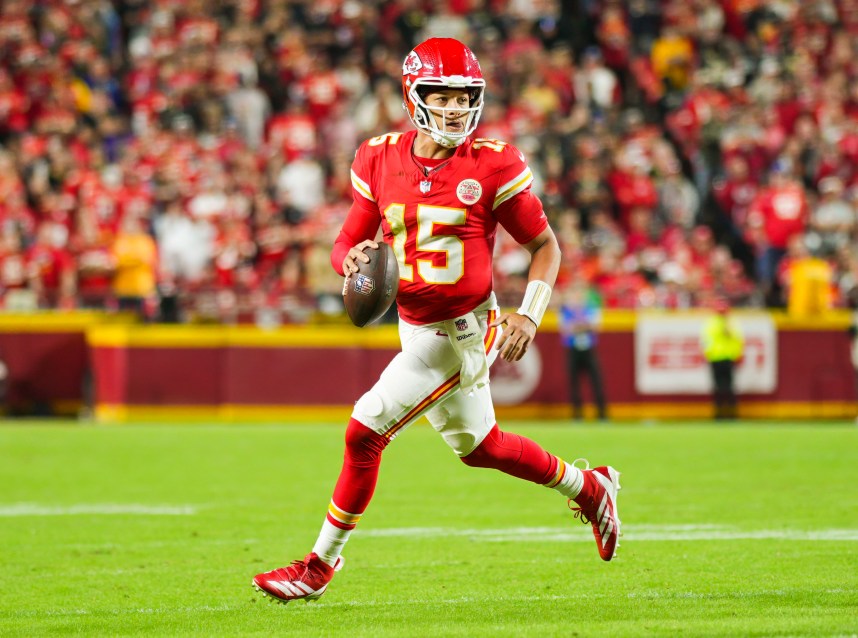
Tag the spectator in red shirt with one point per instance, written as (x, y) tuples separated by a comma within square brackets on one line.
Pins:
[(735, 191), (95, 263), (614, 36), (51, 267), (13, 267), (320, 88), (14, 105), (233, 250), (781, 210), (640, 230), (292, 133), (631, 185)]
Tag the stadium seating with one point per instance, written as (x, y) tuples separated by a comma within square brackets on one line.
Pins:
[(685, 151)]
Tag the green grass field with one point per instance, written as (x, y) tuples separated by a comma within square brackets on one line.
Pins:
[(740, 530)]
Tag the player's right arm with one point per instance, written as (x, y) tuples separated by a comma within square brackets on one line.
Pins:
[(352, 240), (362, 222)]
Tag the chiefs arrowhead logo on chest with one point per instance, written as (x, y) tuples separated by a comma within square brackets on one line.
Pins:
[(469, 191)]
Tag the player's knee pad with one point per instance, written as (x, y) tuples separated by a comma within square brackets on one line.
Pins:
[(453, 429), (369, 408), (464, 421), (363, 446), (493, 452), (401, 386)]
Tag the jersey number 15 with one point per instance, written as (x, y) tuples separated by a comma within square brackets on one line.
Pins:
[(428, 217)]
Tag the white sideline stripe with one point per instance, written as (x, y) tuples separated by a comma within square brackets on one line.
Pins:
[(35, 509), (630, 533)]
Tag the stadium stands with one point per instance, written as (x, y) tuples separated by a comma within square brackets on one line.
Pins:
[(685, 149)]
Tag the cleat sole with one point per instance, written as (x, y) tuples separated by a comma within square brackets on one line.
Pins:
[(279, 601)]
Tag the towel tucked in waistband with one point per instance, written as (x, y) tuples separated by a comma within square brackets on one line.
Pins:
[(467, 340)]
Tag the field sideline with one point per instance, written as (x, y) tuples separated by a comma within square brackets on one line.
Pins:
[(156, 530)]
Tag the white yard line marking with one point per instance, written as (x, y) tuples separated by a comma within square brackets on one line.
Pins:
[(630, 533), (138, 509)]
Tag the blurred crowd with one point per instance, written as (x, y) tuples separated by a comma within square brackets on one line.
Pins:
[(189, 159)]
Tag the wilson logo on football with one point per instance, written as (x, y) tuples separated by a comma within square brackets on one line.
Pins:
[(364, 285)]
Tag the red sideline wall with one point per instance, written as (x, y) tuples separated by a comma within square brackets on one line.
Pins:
[(47, 360), (241, 373)]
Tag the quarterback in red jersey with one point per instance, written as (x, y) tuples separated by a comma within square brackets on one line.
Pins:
[(438, 197)]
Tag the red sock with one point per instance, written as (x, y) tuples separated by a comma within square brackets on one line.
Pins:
[(361, 461), (514, 454)]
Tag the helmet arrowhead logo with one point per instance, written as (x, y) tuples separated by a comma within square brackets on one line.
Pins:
[(412, 64)]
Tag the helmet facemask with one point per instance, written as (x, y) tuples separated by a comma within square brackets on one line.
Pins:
[(424, 120)]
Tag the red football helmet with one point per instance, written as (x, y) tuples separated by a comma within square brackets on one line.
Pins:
[(442, 63)]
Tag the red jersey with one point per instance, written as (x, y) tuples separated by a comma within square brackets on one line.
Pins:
[(441, 225), (734, 196), (784, 212), (293, 133), (48, 264)]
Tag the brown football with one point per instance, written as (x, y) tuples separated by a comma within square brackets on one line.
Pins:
[(372, 289)]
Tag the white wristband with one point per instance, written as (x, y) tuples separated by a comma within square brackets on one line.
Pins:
[(535, 301)]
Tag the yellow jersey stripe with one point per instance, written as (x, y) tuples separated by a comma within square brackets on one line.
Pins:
[(513, 187), (361, 187)]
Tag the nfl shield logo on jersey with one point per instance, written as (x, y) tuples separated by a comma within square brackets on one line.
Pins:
[(461, 324), (364, 285), (425, 186)]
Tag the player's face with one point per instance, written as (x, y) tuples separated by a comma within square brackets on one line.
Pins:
[(449, 108)]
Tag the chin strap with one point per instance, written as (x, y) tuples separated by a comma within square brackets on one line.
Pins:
[(445, 141)]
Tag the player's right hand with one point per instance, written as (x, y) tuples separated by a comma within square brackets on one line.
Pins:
[(355, 254)]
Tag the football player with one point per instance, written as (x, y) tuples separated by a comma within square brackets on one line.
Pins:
[(438, 196)]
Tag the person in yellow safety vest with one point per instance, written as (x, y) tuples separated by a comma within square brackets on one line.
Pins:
[(722, 343)]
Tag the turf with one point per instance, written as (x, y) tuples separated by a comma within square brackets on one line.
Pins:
[(156, 530)]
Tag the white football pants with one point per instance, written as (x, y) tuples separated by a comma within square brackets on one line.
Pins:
[(424, 379)]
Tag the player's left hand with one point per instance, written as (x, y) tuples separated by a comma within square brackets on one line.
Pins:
[(518, 334)]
